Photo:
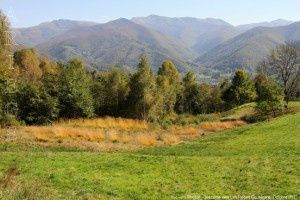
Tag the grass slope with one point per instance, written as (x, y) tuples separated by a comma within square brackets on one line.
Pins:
[(259, 159)]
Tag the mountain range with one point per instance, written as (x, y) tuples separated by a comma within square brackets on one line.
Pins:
[(120, 42), (275, 23), (248, 48), (37, 34), (200, 35), (191, 43)]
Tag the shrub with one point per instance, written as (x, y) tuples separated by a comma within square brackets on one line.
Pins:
[(8, 121)]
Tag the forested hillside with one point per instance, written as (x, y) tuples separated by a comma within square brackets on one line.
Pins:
[(119, 42), (248, 49), (212, 46)]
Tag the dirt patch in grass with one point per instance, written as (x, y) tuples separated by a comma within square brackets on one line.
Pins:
[(10, 174)]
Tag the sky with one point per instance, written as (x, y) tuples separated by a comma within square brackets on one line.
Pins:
[(25, 13)]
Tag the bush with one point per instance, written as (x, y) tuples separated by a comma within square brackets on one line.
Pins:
[(8, 121)]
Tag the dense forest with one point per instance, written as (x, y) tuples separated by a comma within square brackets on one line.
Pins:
[(36, 90)]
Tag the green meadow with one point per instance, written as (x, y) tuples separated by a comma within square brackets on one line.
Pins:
[(257, 159)]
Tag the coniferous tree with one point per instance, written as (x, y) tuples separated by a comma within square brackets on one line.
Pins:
[(75, 91)]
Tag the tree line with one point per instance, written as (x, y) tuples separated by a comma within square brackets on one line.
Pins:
[(45, 91)]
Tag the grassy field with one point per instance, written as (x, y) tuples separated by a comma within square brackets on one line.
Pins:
[(255, 159)]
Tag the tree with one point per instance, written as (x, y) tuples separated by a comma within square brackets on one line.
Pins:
[(209, 98), (142, 91), (191, 94), (74, 91), (7, 73), (269, 95), (113, 91), (50, 77), (284, 64), (28, 63), (35, 105), (204, 97), (215, 102), (168, 82), (241, 90), (5, 49)]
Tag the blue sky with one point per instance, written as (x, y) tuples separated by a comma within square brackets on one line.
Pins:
[(24, 13)]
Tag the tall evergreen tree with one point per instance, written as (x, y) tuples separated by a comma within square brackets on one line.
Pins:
[(75, 91)]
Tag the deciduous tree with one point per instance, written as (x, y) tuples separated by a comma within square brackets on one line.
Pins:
[(269, 95), (35, 105), (168, 82), (142, 91), (28, 63), (75, 91), (241, 90), (284, 64)]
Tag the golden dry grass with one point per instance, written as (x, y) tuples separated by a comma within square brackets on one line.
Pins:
[(113, 134), (218, 126), (146, 139), (185, 130), (46, 133), (67, 134), (171, 139), (106, 123)]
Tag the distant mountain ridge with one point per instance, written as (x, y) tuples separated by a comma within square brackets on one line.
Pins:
[(190, 43), (247, 49), (275, 23), (200, 35), (41, 33), (120, 42)]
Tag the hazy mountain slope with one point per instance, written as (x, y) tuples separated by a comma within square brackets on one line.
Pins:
[(41, 33), (275, 23), (199, 34), (120, 42), (247, 49)]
